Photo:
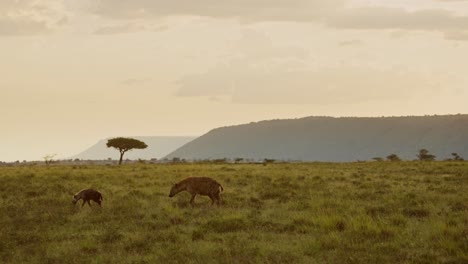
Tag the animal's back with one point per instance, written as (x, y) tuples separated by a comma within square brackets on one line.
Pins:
[(90, 194), (203, 185)]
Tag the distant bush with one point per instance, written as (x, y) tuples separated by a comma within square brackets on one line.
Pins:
[(455, 157), (393, 157), (425, 156), (268, 161), (238, 160)]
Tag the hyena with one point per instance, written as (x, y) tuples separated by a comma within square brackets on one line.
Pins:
[(87, 195), (199, 185)]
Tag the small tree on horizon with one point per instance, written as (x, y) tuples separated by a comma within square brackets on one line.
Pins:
[(125, 144), (48, 159), (393, 157), (238, 160), (268, 161), (456, 157), (425, 156)]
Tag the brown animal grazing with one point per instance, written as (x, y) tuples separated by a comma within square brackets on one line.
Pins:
[(87, 195), (199, 185)]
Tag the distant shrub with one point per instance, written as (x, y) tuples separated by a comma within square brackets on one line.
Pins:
[(238, 160), (224, 160), (455, 157), (425, 156), (268, 161), (393, 157)]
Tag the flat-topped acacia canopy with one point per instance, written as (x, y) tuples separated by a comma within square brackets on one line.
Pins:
[(125, 144)]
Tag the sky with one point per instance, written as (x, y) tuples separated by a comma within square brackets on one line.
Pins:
[(73, 72)]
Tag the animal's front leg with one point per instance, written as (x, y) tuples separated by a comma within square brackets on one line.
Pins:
[(89, 203), (83, 203), (212, 199)]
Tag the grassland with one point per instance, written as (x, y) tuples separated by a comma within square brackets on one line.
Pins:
[(379, 212)]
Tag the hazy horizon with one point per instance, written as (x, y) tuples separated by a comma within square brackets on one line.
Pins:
[(75, 72)]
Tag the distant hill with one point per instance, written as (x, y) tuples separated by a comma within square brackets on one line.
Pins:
[(333, 139), (157, 147)]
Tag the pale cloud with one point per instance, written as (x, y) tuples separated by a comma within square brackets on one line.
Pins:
[(246, 10), (128, 28), (286, 10), (24, 17), (319, 86), (457, 35), (134, 81), (31, 17), (265, 73), (397, 18), (353, 42), (257, 46), (10, 27), (337, 14)]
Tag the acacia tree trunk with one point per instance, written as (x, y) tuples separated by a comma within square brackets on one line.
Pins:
[(121, 157)]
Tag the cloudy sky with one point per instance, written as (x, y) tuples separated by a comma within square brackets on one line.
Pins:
[(74, 72)]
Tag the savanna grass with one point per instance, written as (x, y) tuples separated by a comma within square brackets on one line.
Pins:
[(375, 212)]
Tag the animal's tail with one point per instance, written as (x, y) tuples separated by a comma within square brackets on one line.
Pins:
[(100, 197), (222, 189)]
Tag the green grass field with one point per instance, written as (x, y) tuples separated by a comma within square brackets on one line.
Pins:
[(375, 212)]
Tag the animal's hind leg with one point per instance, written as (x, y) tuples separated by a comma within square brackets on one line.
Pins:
[(89, 203), (218, 198), (192, 201), (83, 203)]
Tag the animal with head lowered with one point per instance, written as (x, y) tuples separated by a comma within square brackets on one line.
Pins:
[(199, 185), (87, 195)]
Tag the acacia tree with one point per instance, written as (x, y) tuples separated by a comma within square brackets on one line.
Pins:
[(125, 144), (48, 159), (425, 156)]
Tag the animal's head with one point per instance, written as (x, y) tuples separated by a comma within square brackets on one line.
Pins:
[(176, 188), (75, 199)]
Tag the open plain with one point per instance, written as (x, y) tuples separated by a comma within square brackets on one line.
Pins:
[(363, 212)]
